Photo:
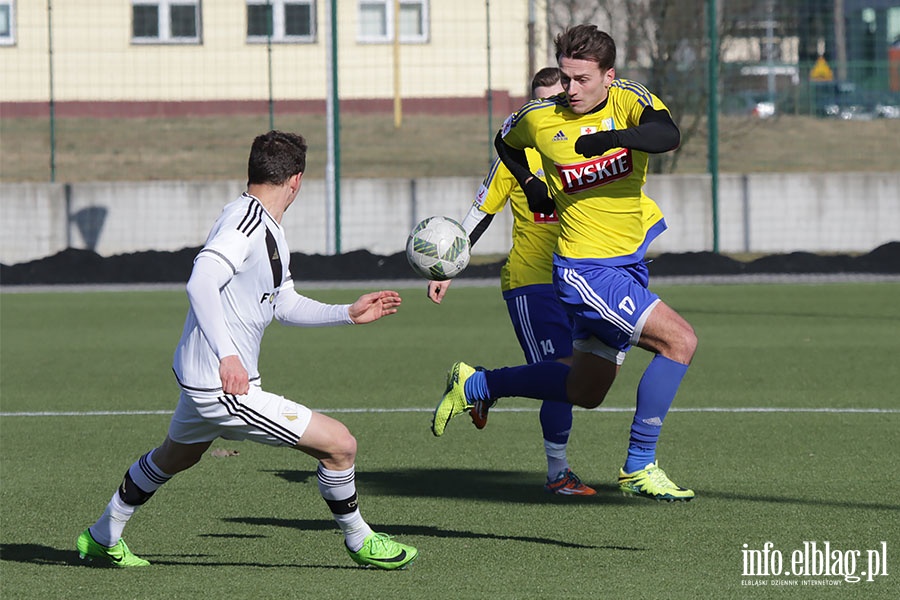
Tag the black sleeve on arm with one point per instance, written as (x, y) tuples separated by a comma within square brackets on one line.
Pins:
[(535, 189), (480, 229), (656, 133), (514, 159)]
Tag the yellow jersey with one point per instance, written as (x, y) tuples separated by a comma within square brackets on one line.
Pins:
[(534, 235), (600, 201)]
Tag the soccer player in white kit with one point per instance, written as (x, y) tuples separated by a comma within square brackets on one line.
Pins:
[(240, 281)]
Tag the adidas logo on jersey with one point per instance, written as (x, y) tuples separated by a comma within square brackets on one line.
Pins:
[(560, 137)]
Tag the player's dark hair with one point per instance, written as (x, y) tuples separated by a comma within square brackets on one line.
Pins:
[(544, 78), (275, 157), (586, 42)]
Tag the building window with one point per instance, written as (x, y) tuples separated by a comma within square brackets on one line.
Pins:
[(283, 20), (376, 21), (7, 23), (165, 21)]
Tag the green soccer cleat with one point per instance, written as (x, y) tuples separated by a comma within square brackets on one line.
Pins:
[(454, 401), (119, 555), (652, 482), (380, 551)]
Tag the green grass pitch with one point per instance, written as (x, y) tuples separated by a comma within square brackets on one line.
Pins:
[(786, 426)]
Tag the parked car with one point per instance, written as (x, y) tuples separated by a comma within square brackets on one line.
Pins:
[(887, 106), (843, 100), (751, 103)]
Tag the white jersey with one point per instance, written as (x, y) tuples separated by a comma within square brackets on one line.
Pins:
[(251, 244)]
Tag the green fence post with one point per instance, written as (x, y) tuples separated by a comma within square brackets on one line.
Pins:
[(336, 127), (269, 27), (713, 118), (490, 92), (52, 105)]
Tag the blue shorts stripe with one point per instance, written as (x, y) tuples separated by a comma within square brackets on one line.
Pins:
[(607, 302), (529, 343), (592, 299), (543, 327)]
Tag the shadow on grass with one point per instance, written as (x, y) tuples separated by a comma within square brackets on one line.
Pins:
[(522, 487), (421, 530), (38, 554), (788, 500)]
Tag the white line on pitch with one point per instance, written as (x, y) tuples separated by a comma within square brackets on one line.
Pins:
[(825, 410)]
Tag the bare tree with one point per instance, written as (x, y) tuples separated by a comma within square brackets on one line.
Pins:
[(840, 40), (663, 44)]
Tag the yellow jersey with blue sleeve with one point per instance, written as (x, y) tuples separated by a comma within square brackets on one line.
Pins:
[(600, 201)]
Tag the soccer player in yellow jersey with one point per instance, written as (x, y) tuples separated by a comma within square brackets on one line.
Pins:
[(594, 143), (543, 328)]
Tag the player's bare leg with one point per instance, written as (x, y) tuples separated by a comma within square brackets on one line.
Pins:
[(590, 379), (329, 441)]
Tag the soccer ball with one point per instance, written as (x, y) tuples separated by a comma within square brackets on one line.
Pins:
[(438, 248)]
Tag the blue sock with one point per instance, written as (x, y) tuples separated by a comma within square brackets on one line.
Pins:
[(556, 421), (541, 380), (655, 394), (476, 387)]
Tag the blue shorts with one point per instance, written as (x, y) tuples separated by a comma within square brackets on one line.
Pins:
[(542, 326), (608, 303)]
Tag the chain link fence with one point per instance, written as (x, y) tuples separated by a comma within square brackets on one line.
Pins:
[(147, 90)]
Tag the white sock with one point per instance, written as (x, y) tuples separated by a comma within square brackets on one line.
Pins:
[(107, 531), (355, 529), (338, 488), (556, 459)]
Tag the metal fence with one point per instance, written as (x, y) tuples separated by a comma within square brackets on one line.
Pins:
[(105, 90)]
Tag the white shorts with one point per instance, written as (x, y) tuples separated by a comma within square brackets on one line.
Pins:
[(258, 416)]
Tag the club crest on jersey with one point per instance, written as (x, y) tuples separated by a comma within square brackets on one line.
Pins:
[(481, 195), (595, 172), (605, 125), (507, 125)]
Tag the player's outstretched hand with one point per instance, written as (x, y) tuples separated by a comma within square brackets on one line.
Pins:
[(371, 307), (538, 196), (596, 144), (437, 290)]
